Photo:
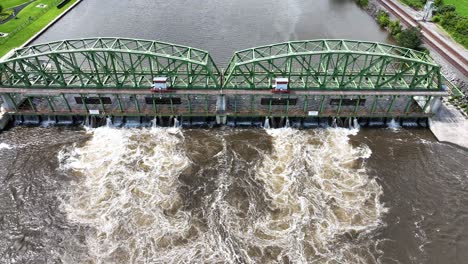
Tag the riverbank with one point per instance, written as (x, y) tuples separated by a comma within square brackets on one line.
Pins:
[(451, 72), (451, 124), (26, 33)]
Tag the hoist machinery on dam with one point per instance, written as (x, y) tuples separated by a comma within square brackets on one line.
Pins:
[(307, 81)]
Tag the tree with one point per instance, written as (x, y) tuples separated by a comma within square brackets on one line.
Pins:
[(410, 38), (1, 9)]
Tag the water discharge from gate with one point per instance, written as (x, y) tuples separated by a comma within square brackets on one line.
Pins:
[(306, 197)]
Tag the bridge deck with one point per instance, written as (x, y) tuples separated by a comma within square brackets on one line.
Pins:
[(52, 92)]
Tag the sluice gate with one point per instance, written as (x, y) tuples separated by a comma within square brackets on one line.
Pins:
[(307, 83)]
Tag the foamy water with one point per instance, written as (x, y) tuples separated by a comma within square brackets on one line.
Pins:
[(323, 200), (5, 146), (321, 205)]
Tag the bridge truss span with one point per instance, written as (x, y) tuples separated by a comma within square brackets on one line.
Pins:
[(333, 65), (108, 63)]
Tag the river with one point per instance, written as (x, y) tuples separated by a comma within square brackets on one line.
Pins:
[(171, 195)]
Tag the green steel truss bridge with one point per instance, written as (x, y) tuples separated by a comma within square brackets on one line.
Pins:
[(108, 63), (327, 78), (334, 65)]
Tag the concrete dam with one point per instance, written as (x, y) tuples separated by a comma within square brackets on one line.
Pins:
[(299, 83)]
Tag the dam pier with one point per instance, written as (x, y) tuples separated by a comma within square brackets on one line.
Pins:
[(299, 83)]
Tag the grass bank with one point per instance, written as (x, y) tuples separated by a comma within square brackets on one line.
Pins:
[(12, 3), (28, 22)]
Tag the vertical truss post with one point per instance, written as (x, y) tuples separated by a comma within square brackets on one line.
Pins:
[(374, 104), (426, 105), (339, 105), (361, 73), (153, 103), (344, 70), (15, 105), (172, 105), (66, 103), (391, 103), (50, 104), (324, 82), (235, 104), (101, 103), (408, 105), (357, 105), (83, 100), (305, 104), (381, 71), (31, 104), (120, 103), (252, 99), (322, 104), (189, 104), (137, 106), (269, 106)]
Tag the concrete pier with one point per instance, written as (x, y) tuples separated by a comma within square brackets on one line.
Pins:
[(450, 126)]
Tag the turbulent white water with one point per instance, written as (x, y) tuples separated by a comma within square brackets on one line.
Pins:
[(318, 203), (321, 197), (5, 146)]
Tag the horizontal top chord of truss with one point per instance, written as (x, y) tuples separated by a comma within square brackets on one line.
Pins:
[(333, 64), (108, 62)]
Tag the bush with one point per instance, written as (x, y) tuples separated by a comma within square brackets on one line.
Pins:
[(383, 18), (449, 20), (445, 9), (1, 9), (462, 27), (438, 2), (363, 3), (394, 27), (410, 38)]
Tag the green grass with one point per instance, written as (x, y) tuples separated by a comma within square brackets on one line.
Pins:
[(460, 5), (12, 3), (30, 30)]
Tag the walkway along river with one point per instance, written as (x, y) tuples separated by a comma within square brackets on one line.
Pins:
[(165, 195)]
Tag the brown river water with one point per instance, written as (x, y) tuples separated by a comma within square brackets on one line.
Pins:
[(225, 195)]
